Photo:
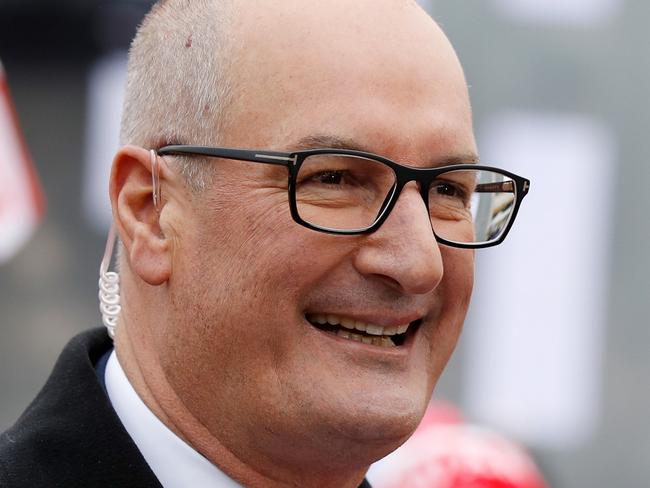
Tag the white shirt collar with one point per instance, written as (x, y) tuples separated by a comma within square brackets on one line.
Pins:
[(174, 462)]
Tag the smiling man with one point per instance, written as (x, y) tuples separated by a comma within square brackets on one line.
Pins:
[(293, 290)]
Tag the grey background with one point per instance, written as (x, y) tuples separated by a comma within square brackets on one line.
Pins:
[(48, 292)]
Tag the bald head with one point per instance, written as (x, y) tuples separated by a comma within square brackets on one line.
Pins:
[(193, 60), (387, 55)]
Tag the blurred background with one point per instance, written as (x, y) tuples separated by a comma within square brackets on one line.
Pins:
[(556, 348)]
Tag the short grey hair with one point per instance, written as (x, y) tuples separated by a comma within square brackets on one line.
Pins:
[(177, 84)]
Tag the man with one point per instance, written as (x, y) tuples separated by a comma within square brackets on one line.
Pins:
[(285, 311)]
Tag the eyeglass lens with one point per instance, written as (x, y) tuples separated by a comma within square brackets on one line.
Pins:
[(343, 192)]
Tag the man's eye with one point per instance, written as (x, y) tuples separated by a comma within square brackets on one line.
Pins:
[(449, 190), (328, 177)]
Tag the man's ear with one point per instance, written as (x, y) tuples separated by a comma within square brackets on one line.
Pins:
[(148, 250)]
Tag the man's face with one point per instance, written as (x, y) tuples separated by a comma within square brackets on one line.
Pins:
[(240, 348)]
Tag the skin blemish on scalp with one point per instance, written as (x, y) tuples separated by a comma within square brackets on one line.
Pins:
[(188, 43)]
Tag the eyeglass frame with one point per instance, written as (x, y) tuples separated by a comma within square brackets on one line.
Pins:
[(403, 175)]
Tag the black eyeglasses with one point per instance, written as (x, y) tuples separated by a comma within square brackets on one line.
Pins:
[(342, 191)]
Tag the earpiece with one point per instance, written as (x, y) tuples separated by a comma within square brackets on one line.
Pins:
[(109, 281), (109, 287)]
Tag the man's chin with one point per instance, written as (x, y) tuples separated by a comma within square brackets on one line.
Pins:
[(385, 422), (373, 441), (368, 398)]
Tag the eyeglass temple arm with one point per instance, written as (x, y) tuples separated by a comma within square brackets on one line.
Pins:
[(501, 187), (266, 157)]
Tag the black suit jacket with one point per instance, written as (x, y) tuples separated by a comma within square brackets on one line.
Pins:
[(70, 436)]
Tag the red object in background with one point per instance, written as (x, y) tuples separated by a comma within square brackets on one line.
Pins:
[(444, 452), (22, 204)]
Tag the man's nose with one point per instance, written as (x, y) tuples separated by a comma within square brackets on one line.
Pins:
[(404, 252)]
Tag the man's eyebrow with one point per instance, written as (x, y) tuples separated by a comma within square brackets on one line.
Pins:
[(318, 141), (326, 141)]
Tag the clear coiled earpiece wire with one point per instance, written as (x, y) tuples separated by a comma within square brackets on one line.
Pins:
[(109, 281)]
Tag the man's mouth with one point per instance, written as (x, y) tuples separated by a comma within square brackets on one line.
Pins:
[(356, 330)]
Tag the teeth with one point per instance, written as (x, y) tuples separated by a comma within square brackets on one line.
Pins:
[(375, 341), (383, 342), (389, 331), (381, 335), (374, 330), (347, 323), (344, 333)]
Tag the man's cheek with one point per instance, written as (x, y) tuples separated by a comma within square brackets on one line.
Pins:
[(459, 272), (454, 293)]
